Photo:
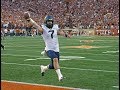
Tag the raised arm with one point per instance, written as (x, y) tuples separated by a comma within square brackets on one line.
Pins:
[(31, 21)]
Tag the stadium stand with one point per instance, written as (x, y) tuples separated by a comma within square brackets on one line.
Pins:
[(85, 14)]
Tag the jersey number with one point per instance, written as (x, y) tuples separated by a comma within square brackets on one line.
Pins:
[(51, 33)]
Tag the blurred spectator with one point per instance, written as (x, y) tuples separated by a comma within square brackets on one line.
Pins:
[(83, 13)]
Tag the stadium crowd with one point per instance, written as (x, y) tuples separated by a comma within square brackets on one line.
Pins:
[(75, 13)]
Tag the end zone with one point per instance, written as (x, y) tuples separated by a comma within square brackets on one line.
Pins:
[(13, 85)]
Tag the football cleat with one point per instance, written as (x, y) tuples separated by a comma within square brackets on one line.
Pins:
[(42, 70), (61, 78)]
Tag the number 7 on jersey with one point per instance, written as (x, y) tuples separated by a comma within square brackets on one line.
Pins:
[(52, 33)]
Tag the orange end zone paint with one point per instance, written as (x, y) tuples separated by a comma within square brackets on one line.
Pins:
[(19, 86)]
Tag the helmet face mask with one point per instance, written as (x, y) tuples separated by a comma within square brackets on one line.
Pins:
[(49, 21), (49, 24)]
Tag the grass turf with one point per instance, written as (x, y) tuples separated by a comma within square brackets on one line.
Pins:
[(98, 70)]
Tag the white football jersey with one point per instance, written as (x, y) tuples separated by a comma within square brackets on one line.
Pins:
[(50, 38)]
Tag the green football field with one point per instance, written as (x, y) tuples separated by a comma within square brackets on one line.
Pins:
[(87, 62)]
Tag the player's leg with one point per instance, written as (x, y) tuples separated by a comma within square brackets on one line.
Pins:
[(57, 68), (50, 66), (45, 68), (55, 63)]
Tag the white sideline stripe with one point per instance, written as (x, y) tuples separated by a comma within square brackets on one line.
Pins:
[(62, 57), (115, 86), (44, 85), (64, 67)]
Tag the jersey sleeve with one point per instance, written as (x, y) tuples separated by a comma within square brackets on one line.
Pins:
[(43, 27), (57, 27)]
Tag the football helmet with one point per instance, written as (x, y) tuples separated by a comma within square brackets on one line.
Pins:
[(48, 21)]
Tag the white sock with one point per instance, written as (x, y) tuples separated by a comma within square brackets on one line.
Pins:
[(58, 73)]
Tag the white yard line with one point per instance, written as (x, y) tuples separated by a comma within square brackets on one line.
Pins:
[(30, 59), (103, 53), (98, 60), (115, 86), (111, 51), (62, 58), (66, 59), (94, 70), (22, 50), (20, 55)]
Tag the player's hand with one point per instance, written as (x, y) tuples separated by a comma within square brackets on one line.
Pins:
[(27, 15)]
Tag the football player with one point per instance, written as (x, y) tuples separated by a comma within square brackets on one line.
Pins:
[(49, 32), (2, 37)]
